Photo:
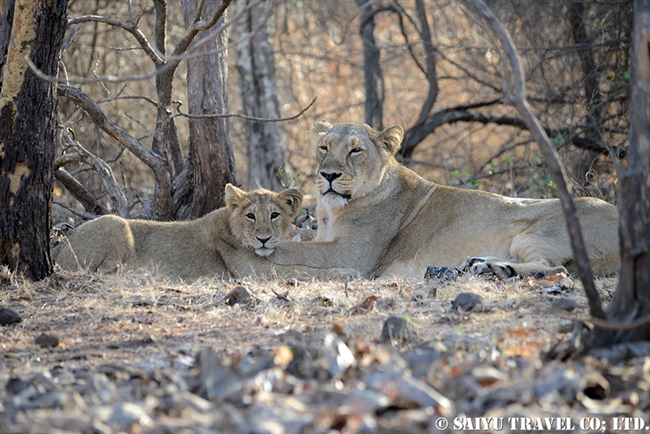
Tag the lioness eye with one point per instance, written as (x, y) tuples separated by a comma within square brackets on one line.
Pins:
[(274, 215), (355, 151), (250, 216), (323, 148)]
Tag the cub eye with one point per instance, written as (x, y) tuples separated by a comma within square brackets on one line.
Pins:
[(323, 148), (274, 215), (355, 151), (250, 216)]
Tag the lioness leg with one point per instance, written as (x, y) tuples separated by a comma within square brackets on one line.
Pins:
[(539, 251)]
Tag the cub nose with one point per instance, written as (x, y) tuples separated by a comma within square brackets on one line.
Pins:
[(330, 176), (263, 240)]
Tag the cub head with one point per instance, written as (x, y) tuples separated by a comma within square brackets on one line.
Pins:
[(352, 159), (261, 218)]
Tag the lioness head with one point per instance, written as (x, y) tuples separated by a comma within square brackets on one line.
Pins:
[(260, 218), (352, 159)]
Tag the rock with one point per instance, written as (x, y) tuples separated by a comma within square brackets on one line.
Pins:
[(8, 317), (47, 341), (238, 295), (420, 359), (567, 304), (16, 385), (466, 301), (337, 355), (441, 273), (398, 331)]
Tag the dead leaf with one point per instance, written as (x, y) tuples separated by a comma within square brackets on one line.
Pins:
[(369, 302)]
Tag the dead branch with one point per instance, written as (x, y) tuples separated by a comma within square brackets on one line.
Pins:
[(243, 116), (151, 52), (608, 325), (346, 28), (431, 74), (517, 98), (157, 164), (79, 192), (101, 168)]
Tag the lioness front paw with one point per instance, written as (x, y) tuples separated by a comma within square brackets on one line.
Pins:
[(502, 270)]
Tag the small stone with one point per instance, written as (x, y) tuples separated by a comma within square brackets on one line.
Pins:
[(567, 304), (47, 341), (8, 317), (398, 330), (16, 385), (441, 273), (466, 301), (238, 295)]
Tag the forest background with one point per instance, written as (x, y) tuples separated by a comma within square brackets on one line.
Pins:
[(431, 67)]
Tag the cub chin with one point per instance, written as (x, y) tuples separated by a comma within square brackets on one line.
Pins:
[(233, 241)]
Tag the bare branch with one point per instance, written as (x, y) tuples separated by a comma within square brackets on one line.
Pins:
[(243, 116), (79, 192), (117, 132), (346, 28), (171, 63), (518, 99), (155, 57), (431, 75), (198, 25), (155, 162), (103, 170)]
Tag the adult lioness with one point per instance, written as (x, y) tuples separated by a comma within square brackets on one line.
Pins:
[(379, 217), (229, 241)]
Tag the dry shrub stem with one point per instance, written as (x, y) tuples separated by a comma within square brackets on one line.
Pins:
[(516, 96)]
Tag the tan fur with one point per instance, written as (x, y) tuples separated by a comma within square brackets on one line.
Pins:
[(381, 218), (225, 242)]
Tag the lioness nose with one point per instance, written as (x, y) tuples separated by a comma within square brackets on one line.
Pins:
[(330, 176), (263, 240)]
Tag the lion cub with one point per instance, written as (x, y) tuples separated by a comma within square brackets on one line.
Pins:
[(231, 241)]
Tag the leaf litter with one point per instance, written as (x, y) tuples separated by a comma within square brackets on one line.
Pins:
[(138, 353)]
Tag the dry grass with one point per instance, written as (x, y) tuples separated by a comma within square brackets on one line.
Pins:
[(135, 317)]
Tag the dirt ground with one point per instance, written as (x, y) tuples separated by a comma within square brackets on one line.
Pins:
[(138, 353)]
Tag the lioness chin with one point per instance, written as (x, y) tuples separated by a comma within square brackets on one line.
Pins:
[(379, 217), (231, 241)]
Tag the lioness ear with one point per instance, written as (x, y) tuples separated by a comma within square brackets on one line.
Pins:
[(319, 129), (293, 198), (233, 196), (322, 126), (392, 138)]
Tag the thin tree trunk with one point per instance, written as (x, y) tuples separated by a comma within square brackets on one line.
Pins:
[(265, 141), (371, 69), (578, 21), (211, 161), (517, 98), (632, 298), (27, 132)]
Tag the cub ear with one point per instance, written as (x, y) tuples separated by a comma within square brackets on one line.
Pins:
[(392, 138), (233, 196), (293, 198)]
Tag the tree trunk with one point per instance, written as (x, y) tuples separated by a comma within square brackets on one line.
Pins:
[(27, 132), (211, 161), (371, 69), (266, 141), (578, 22), (632, 298)]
